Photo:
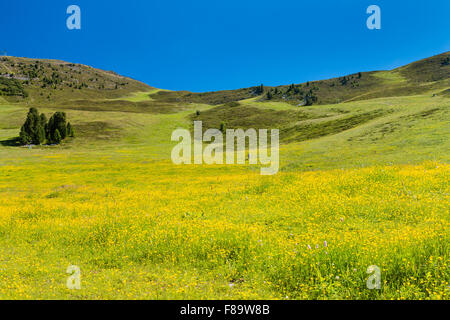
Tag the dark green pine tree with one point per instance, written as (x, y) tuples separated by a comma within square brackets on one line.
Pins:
[(61, 124), (50, 130), (42, 128), (40, 134), (57, 137), (291, 87), (44, 124), (43, 120), (24, 136), (57, 122), (259, 89), (32, 131), (31, 122)]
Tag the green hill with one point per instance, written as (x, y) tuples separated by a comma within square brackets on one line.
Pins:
[(297, 122), (418, 77), (53, 81), (112, 202), (399, 115)]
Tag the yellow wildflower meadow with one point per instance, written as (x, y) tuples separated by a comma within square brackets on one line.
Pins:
[(157, 231)]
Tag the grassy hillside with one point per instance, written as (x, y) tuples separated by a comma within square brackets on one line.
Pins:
[(362, 183), (428, 75), (52, 81), (404, 128)]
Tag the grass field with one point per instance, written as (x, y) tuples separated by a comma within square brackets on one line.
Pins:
[(149, 230), (361, 183)]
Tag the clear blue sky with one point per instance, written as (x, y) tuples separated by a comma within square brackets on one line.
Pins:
[(211, 45)]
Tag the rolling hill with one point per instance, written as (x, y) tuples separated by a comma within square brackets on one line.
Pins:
[(418, 77), (379, 108), (363, 181), (41, 81), (51, 81)]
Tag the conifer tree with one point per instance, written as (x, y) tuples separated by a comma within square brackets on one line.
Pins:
[(32, 131), (57, 122), (24, 137), (57, 137)]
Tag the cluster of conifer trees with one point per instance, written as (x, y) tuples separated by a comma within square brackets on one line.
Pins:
[(294, 92), (37, 130)]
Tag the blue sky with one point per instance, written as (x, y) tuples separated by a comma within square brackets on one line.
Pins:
[(213, 45)]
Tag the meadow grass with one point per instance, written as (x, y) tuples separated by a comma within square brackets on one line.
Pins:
[(152, 230)]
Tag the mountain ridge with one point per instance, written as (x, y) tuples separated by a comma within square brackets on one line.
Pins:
[(432, 73), (52, 81), (48, 81)]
